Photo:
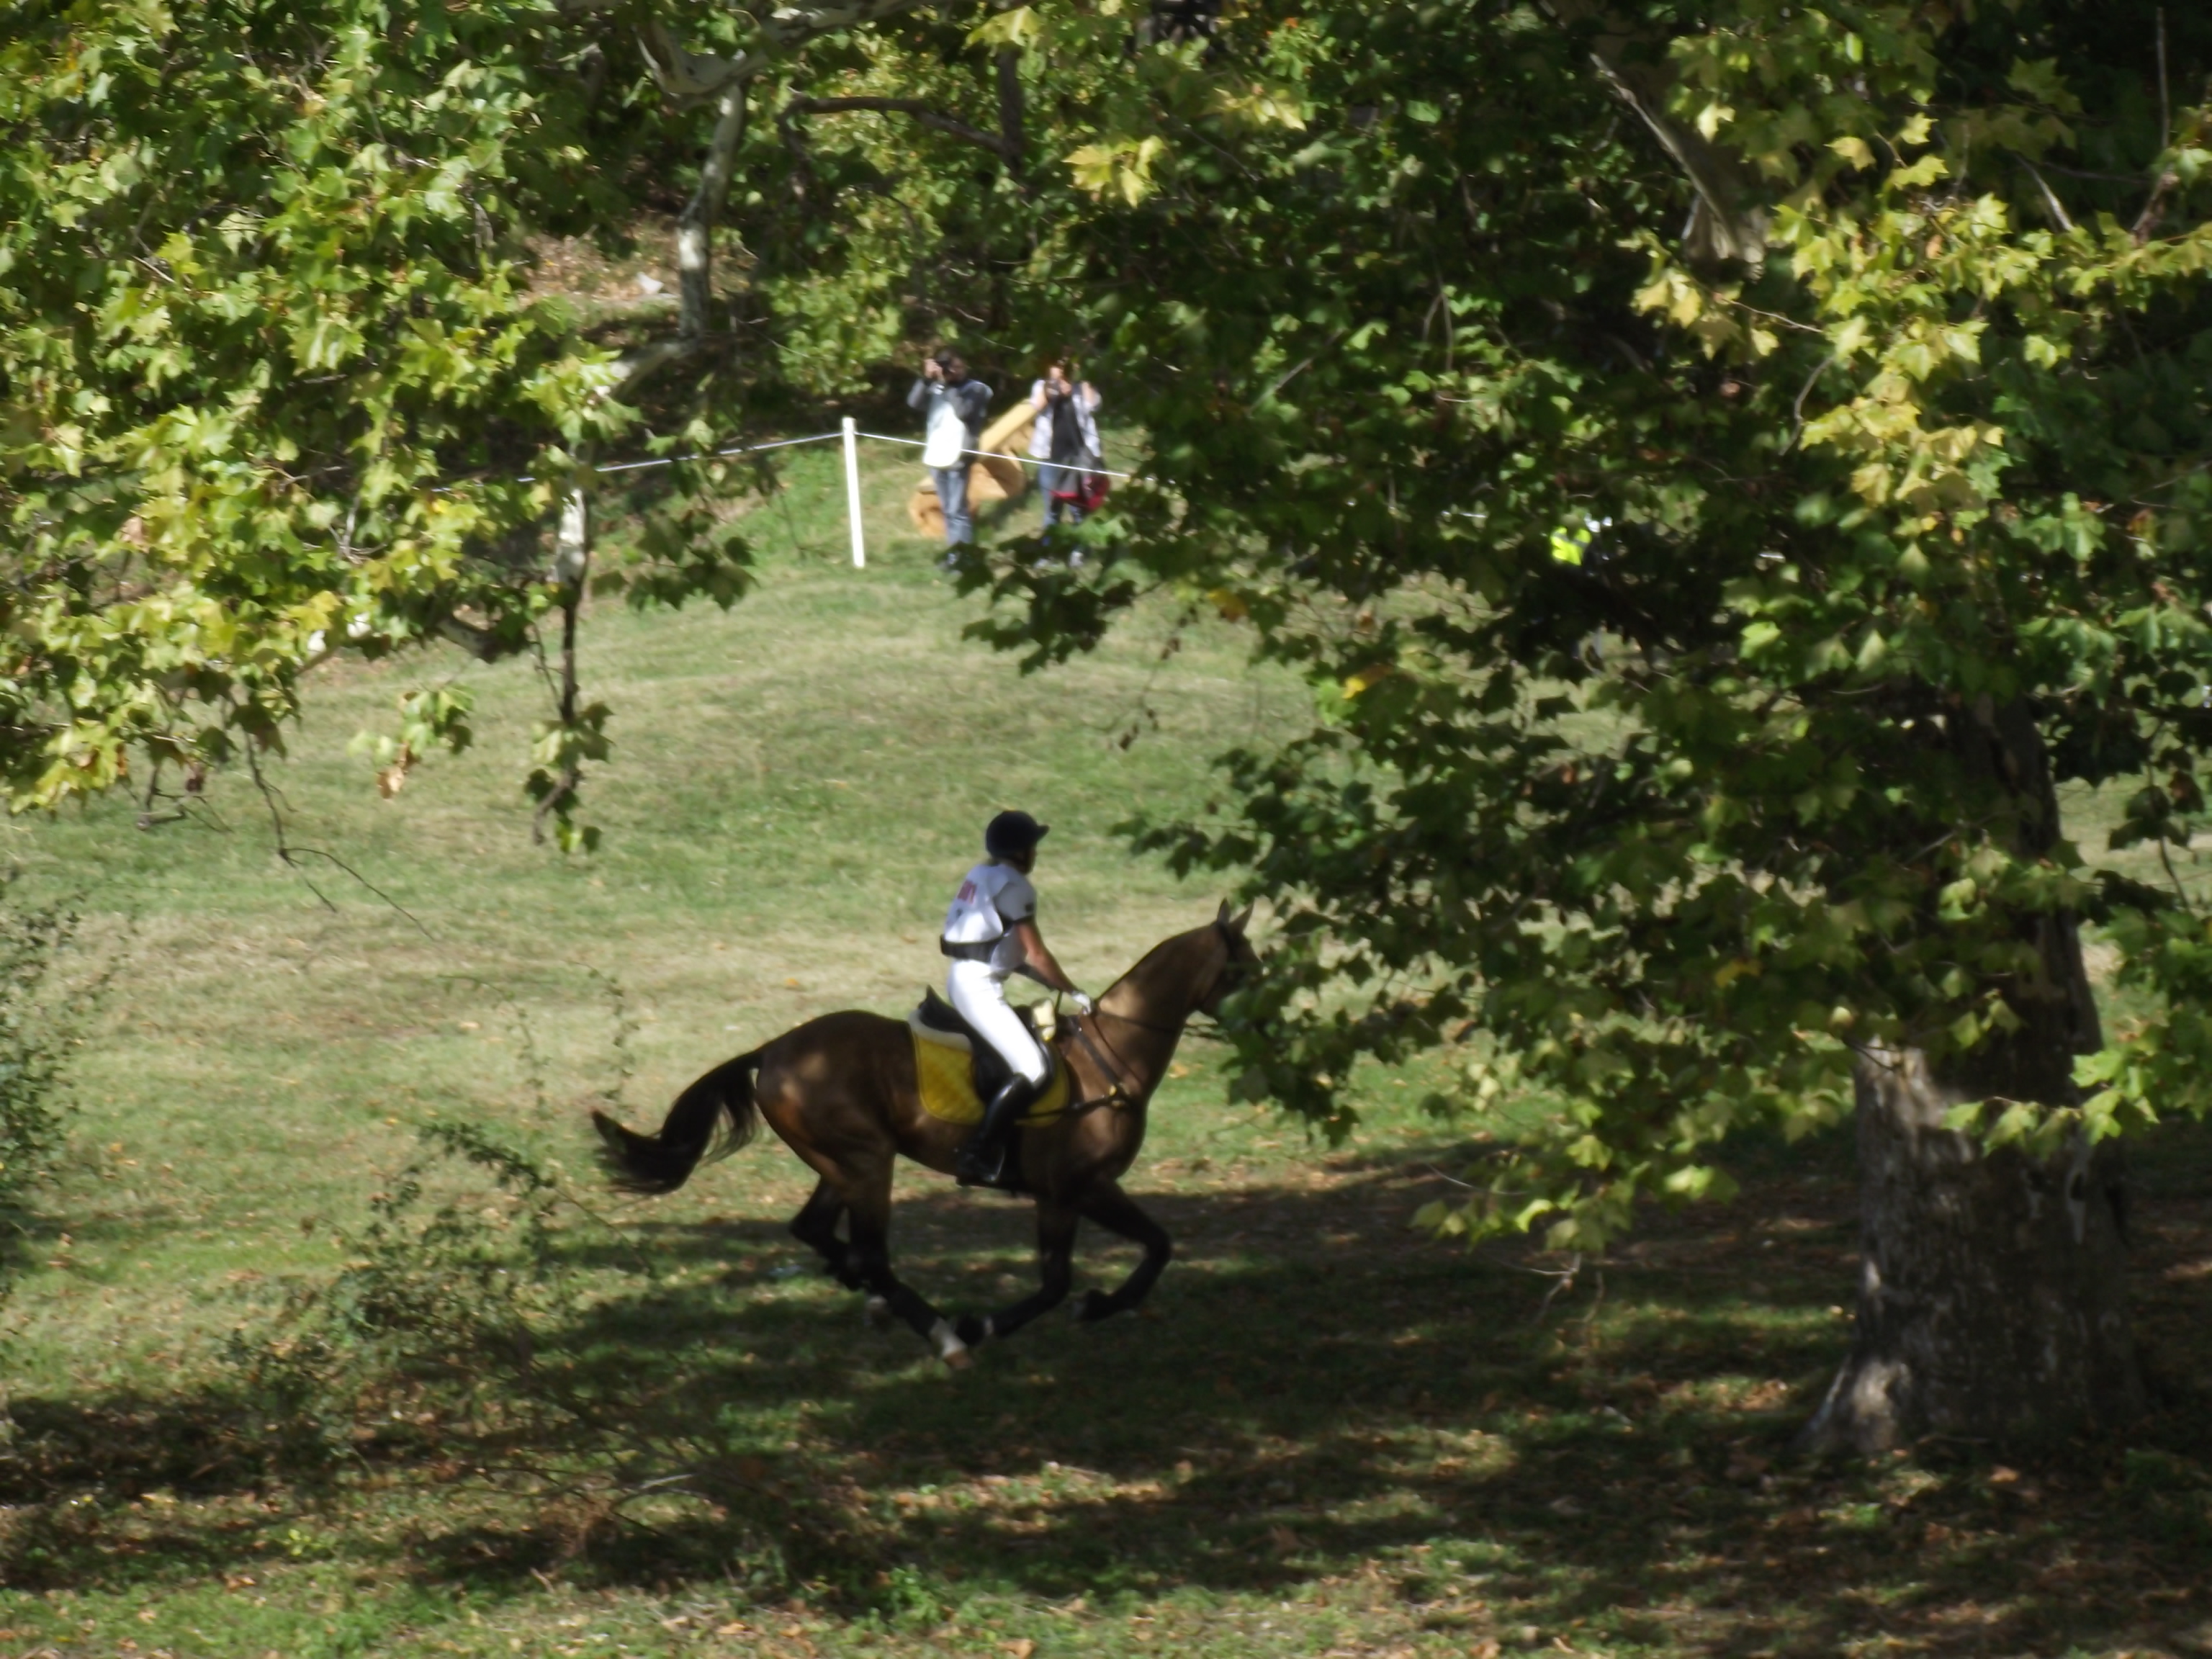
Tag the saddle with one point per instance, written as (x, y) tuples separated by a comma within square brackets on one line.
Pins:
[(989, 1067)]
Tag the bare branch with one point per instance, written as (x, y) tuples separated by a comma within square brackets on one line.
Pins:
[(2049, 197)]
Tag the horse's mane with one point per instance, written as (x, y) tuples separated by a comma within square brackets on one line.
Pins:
[(1170, 941)]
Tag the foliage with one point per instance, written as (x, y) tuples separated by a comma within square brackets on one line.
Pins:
[(41, 1023), (277, 383), (1333, 1434), (263, 298), (435, 1317), (1697, 649)]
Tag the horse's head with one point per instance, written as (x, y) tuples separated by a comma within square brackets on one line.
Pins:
[(1237, 958)]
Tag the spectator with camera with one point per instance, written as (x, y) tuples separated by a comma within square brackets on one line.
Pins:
[(1065, 440), (955, 406)]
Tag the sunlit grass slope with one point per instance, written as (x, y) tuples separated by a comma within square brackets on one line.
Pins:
[(795, 786), (1328, 1435)]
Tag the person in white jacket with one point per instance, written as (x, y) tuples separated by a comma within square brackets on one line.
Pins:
[(1066, 439), (990, 932)]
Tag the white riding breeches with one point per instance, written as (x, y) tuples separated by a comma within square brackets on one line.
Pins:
[(981, 997)]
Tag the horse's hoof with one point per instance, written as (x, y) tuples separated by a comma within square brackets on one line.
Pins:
[(972, 1330), (877, 1310), (950, 1348)]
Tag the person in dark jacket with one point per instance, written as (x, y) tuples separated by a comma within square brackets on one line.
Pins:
[(955, 406)]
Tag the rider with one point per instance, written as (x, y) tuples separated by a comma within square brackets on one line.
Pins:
[(990, 932)]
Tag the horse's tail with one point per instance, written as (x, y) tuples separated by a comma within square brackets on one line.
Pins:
[(710, 1120)]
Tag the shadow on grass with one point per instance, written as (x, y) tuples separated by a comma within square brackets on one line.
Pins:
[(1314, 1399)]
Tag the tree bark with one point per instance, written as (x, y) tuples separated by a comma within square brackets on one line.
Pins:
[(1992, 1284), (1992, 1294), (1012, 144)]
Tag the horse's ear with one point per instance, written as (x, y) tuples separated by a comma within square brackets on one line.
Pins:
[(1237, 923), (1221, 916)]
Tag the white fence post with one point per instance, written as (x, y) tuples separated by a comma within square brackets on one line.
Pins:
[(853, 496)]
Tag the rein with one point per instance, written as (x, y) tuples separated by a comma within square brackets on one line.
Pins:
[(1117, 1070), (1117, 1080)]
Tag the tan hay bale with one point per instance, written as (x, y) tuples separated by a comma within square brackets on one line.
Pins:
[(995, 478), (1007, 479), (925, 512), (1010, 433), (986, 482)]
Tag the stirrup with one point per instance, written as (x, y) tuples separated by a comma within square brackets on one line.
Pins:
[(970, 1169)]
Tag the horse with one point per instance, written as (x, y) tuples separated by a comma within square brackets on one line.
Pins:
[(841, 1091)]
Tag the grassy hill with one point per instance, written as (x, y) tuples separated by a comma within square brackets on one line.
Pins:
[(1327, 1434)]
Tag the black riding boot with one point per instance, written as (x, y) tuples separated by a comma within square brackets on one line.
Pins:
[(982, 1160)]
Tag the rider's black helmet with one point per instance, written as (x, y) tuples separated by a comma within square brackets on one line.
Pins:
[(1010, 834)]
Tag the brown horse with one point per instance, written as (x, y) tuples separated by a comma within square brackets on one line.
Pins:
[(842, 1092)]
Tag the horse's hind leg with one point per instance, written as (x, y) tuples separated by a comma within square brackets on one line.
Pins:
[(1056, 1225), (1115, 1211), (869, 1196), (816, 1227)]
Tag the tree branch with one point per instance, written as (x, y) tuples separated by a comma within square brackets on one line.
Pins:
[(1012, 144), (685, 78), (695, 230), (1725, 223), (689, 77), (572, 562), (914, 106), (2057, 209)]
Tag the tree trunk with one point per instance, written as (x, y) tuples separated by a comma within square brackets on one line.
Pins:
[(1992, 1299), (1992, 1287)]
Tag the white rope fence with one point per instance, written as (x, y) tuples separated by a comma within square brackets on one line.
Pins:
[(847, 435)]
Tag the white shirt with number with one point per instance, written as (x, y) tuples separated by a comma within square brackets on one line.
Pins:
[(992, 898)]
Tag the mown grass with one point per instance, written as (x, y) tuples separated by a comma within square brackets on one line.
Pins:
[(1326, 1434)]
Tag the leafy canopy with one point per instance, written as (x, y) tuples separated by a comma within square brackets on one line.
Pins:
[(281, 378), (1697, 647)]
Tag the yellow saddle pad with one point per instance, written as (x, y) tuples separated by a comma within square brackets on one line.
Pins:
[(948, 1086)]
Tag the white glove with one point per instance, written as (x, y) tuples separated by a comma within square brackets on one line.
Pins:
[(1084, 1004)]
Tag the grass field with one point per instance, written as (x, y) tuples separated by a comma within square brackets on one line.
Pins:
[(1326, 1435)]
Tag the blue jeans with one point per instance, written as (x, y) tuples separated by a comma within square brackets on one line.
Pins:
[(952, 496), (1051, 477)]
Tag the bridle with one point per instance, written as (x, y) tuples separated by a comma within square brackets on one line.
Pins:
[(1117, 1070)]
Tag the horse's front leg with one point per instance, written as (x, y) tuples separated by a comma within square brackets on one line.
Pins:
[(1115, 1211), (1056, 1225)]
